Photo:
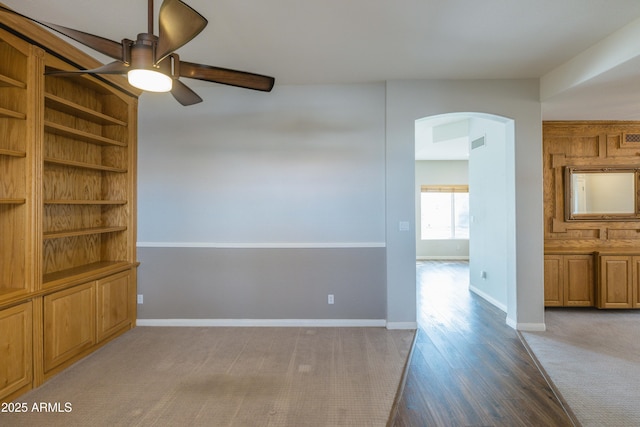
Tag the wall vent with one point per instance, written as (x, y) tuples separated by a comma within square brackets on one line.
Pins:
[(477, 143), (632, 137)]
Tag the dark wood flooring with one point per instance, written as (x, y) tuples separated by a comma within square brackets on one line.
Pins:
[(468, 368)]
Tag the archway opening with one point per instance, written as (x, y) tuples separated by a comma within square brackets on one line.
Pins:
[(453, 151)]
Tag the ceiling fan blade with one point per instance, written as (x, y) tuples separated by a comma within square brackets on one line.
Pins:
[(105, 46), (226, 76), (178, 24), (183, 94), (116, 67)]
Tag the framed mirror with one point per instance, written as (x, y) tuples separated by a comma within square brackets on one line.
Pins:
[(601, 194)]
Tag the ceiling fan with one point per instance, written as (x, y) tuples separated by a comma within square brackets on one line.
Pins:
[(150, 61)]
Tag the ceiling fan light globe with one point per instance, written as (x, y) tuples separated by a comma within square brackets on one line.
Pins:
[(149, 80)]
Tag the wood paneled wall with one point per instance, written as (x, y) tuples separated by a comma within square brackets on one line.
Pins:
[(586, 143)]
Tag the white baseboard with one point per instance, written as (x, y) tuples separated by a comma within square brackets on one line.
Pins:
[(402, 325), (249, 245), (526, 327), (487, 297), (442, 258), (310, 323)]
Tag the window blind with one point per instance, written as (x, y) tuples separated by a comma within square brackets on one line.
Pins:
[(444, 188)]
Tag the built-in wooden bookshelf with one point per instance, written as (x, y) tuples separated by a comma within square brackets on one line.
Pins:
[(67, 207), (86, 171), (14, 212), (16, 358)]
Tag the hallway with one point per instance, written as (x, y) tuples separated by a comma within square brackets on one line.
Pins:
[(468, 368)]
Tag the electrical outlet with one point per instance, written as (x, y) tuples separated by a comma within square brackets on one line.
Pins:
[(140, 299), (330, 299)]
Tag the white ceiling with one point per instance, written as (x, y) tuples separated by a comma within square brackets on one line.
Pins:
[(348, 41)]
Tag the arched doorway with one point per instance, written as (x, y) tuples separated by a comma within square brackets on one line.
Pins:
[(485, 143)]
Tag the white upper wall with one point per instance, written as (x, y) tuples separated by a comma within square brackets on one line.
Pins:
[(303, 164)]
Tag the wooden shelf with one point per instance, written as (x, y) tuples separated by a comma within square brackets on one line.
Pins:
[(12, 201), (12, 153), (9, 291), (12, 114), (9, 82), (72, 133), (81, 232), (85, 202), (84, 272), (83, 165), (66, 106), (9, 294)]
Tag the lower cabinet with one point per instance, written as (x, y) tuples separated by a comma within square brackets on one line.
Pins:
[(79, 318), (619, 281), (114, 304), (16, 350), (69, 324), (568, 280), (604, 279), (42, 336), (636, 282)]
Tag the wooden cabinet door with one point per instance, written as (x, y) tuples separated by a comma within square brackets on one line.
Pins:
[(69, 324), (616, 281), (579, 281), (114, 304), (553, 278), (16, 353), (636, 282)]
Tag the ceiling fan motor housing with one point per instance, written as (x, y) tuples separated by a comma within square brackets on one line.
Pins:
[(142, 52)]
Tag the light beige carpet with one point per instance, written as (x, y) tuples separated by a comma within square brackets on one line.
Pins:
[(229, 377), (593, 359)]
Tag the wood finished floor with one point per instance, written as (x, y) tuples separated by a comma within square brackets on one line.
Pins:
[(468, 368)]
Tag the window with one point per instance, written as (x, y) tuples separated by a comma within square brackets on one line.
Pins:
[(444, 212)]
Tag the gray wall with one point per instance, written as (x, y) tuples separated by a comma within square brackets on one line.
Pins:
[(217, 283), (257, 206), (318, 167)]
